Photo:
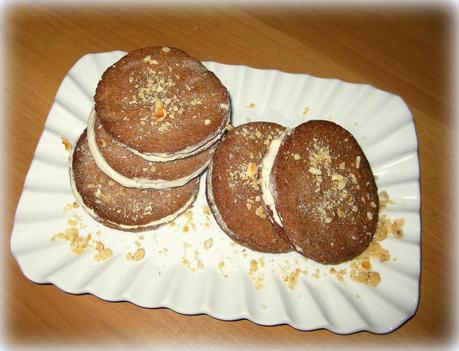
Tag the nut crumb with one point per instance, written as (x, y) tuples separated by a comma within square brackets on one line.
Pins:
[(315, 171), (102, 252), (208, 243), (160, 113), (251, 169), (206, 210), (384, 200), (79, 244), (220, 266), (292, 278), (148, 59), (67, 144), (189, 215), (253, 266), (260, 212), (136, 256)]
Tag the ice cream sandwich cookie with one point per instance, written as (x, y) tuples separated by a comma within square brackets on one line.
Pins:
[(124, 208), (233, 188), (321, 190), (162, 104), (133, 171)]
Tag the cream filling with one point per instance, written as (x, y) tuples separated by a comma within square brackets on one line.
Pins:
[(266, 184), (91, 212), (137, 182), (189, 151)]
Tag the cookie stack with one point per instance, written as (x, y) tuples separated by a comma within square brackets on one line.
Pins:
[(309, 189), (157, 119)]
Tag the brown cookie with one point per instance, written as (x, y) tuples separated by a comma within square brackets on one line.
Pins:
[(233, 188), (124, 208), (324, 192), (162, 102), (133, 171)]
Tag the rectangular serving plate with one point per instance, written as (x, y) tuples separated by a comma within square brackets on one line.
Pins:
[(177, 271)]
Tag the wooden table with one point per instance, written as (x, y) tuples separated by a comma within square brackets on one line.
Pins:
[(404, 51)]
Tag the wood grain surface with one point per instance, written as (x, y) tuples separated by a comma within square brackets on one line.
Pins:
[(406, 51)]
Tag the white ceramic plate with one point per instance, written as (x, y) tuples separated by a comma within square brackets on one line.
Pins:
[(177, 272)]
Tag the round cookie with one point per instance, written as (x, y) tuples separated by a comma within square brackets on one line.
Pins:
[(133, 171), (162, 103), (124, 208), (233, 188), (324, 191)]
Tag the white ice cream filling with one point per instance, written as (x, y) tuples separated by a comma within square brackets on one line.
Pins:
[(166, 157), (266, 184), (140, 183), (93, 214), (191, 150)]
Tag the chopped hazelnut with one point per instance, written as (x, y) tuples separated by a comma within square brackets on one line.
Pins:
[(206, 210), (315, 171), (253, 266), (148, 59), (160, 113), (251, 169), (136, 256), (260, 212), (208, 243), (67, 144)]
